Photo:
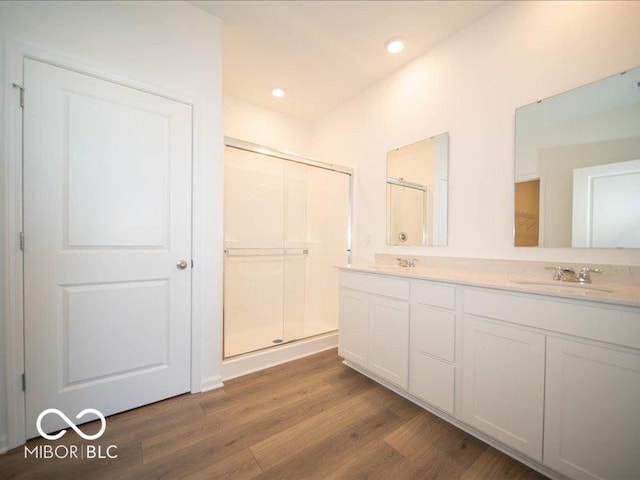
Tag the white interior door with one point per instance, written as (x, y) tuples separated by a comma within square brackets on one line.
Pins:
[(107, 215), (606, 206)]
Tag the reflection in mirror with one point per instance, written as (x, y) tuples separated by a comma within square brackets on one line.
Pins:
[(417, 184), (577, 167)]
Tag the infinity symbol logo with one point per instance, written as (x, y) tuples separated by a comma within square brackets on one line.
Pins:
[(103, 422)]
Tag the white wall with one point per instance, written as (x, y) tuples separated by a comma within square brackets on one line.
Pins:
[(172, 46), (251, 123), (470, 86)]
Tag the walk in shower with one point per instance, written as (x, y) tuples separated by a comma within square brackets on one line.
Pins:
[(286, 226)]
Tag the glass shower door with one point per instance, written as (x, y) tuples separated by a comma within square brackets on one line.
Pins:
[(254, 253), (316, 223), (286, 227)]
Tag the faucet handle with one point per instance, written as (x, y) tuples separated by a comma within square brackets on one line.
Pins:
[(585, 274), (558, 269), (592, 270), (407, 262)]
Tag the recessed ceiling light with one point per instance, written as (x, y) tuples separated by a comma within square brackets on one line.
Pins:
[(278, 92), (394, 45)]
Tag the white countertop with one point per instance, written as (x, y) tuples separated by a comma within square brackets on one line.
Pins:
[(627, 295)]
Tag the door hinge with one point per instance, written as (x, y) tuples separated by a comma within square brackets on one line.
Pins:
[(21, 93), (24, 382), (22, 241)]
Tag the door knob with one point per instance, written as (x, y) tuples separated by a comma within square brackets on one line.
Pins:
[(181, 264)]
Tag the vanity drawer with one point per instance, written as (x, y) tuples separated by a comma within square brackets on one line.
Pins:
[(597, 321), (432, 380), (433, 331), (377, 284), (435, 294)]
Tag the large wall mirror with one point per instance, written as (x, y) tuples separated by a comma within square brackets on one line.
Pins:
[(577, 167), (417, 179)]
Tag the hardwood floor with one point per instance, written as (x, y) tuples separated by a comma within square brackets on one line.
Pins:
[(309, 419)]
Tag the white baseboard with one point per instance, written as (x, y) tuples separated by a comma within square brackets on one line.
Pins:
[(253, 362), (4, 444), (211, 383)]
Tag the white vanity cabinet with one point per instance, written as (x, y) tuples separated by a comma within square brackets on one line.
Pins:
[(503, 383), (592, 410), (374, 325), (568, 368), (432, 343), (552, 381)]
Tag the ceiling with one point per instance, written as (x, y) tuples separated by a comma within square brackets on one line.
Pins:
[(325, 52)]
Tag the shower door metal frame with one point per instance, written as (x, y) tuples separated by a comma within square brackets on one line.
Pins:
[(272, 152)]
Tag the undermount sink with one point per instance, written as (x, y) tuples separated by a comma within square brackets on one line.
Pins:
[(564, 286)]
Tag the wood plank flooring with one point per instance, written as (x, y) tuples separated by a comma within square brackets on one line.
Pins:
[(309, 419)]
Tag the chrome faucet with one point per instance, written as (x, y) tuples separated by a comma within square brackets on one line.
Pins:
[(565, 274), (568, 274), (407, 262), (585, 274)]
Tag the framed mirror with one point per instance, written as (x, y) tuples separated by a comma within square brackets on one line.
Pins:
[(417, 185), (577, 167)]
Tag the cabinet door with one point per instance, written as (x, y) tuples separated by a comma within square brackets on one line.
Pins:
[(353, 330), (389, 340), (592, 416), (432, 380), (433, 331), (432, 338), (503, 383)]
